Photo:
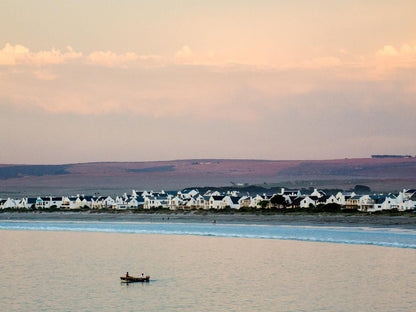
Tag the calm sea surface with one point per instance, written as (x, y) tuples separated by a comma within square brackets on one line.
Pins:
[(59, 268)]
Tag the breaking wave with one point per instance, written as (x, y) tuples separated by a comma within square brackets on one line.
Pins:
[(399, 238)]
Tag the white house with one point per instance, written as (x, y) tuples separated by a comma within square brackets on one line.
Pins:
[(407, 205), (233, 193), (119, 206), (206, 202), (48, 202), (87, 201), (80, 202), (119, 203), (27, 203), (307, 201), (317, 193), (212, 193), (188, 193), (135, 202), (102, 202), (68, 202), (215, 201), (10, 203), (379, 202), (189, 203), (244, 201), (174, 202), (56, 202), (343, 197), (231, 201), (97, 204), (140, 193), (366, 202), (43, 202), (156, 202), (287, 192), (200, 201), (107, 202), (409, 193), (256, 200), (331, 200), (132, 203), (149, 202)]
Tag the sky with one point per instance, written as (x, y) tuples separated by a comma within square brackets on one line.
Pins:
[(86, 81)]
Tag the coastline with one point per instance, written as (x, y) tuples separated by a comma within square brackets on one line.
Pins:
[(404, 222)]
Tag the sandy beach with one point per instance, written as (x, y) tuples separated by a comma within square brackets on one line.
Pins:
[(278, 219)]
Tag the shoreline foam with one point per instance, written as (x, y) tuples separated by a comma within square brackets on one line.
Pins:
[(307, 219)]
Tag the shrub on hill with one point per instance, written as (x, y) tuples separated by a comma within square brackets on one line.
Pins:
[(362, 189), (332, 207)]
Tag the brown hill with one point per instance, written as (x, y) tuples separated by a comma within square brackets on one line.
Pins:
[(380, 173)]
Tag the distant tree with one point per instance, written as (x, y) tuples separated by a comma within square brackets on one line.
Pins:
[(332, 207), (263, 204), (278, 201), (362, 189)]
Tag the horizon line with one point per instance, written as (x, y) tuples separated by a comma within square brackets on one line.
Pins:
[(206, 159)]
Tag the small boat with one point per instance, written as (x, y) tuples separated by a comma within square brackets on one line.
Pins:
[(133, 279)]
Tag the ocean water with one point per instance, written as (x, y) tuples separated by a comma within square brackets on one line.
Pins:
[(388, 237), (75, 266)]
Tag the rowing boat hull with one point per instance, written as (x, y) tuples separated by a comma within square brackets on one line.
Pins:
[(132, 279)]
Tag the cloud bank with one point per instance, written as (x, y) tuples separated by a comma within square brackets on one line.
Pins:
[(20, 55), (358, 103), (65, 81)]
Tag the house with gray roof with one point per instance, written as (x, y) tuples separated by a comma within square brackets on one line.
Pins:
[(231, 201)]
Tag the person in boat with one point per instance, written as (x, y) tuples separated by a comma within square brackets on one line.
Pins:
[(142, 275), (127, 274)]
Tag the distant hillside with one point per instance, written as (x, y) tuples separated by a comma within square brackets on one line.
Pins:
[(16, 171), (365, 167), (381, 173), (391, 156)]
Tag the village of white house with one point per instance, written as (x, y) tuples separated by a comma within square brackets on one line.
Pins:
[(192, 199)]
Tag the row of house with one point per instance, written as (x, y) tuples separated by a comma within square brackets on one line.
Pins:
[(192, 199)]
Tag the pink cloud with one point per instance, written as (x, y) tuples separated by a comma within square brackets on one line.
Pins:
[(111, 59), (387, 50), (12, 55), (405, 50), (390, 57), (218, 91), (20, 55), (184, 55)]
